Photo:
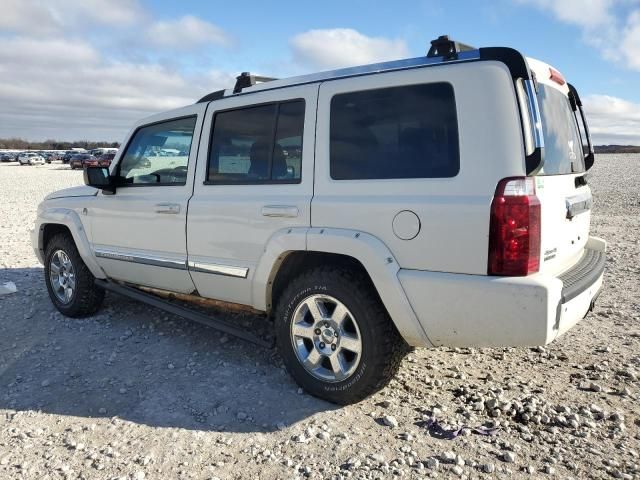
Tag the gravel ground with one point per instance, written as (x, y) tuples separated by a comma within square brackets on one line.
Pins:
[(135, 393)]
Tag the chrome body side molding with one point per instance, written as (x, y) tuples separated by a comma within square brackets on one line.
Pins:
[(216, 269), (158, 261), (145, 259)]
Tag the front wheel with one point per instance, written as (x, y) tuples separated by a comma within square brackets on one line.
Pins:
[(335, 336), (70, 284)]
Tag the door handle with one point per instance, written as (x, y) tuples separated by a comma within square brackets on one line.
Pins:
[(289, 211), (167, 208)]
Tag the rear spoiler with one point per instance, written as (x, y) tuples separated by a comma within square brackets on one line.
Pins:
[(576, 105)]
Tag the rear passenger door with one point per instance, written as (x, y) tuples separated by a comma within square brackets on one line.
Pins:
[(254, 179)]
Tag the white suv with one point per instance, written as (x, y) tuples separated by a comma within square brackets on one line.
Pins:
[(439, 200), (30, 158)]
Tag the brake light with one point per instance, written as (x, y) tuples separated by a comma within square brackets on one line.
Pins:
[(514, 230), (556, 76)]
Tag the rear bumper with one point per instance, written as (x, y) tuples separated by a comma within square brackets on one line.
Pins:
[(475, 311)]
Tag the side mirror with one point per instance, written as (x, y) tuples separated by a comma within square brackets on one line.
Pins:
[(98, 177)]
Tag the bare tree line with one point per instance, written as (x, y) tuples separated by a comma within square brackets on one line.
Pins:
[(50, 144)]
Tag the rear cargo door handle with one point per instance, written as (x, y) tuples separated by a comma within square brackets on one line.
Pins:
[(171, 208), (289, 211)]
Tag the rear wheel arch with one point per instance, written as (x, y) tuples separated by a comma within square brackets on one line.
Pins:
[(294, 263)]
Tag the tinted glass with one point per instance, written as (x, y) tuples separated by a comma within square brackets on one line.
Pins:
[(158, 154), (261, 144), (398, 132), (287, 153), (563, 150)]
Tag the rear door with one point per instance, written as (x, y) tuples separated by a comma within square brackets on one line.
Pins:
[(254, 179), (565, 198)]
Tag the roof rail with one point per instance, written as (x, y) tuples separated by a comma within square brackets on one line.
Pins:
[(212, 96), (245, 79), (448, 49)]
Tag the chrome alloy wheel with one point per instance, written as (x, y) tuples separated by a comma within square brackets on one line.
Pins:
[(326, 338), (62, 276)]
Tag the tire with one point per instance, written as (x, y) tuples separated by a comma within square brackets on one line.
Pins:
[(381, 346), (86, 297)]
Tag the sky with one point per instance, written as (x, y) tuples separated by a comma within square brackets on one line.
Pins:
[(88, 69)]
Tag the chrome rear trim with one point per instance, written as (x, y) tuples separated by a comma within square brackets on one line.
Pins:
[(228, 270), (534, 112)]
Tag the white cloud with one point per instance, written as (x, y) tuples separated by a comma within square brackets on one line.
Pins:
[(185, 33), (65, 89), (108, 12), (585, 13), (611, 26), (54, 16), (612, 120), (44, 53), (56, 83), (22, 15), (630, 45), (342, 47)]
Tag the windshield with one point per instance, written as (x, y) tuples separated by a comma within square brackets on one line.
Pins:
[(562, 143)]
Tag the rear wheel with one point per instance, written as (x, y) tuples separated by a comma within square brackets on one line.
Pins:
[(335, 336), (69, 282)]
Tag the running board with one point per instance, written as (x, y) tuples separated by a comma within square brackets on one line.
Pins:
[(187, 313)]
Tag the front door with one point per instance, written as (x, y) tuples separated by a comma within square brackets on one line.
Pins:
[(258, 181), (138, 233)]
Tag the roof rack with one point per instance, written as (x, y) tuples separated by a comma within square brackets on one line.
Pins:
[(245, 79), (448, 49), (442, 49)]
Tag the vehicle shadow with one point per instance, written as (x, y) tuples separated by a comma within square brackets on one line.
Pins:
[(139, 364)]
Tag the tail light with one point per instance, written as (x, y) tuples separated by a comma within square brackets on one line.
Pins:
[(514, 231)]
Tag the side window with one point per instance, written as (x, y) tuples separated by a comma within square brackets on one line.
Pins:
[(397, 132), (158, 154), (261, 144)]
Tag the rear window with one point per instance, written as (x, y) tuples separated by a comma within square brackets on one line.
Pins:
[(562, 143), (398, 132)]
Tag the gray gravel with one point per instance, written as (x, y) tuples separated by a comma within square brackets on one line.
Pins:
[(134, 393)]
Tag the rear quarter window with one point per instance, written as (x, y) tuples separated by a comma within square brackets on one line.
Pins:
[(392, 133)]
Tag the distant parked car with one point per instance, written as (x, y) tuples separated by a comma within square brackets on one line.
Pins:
[(67, 156), (30, 158), (103, 160), (50, 157), (7, 157), (81, 160)]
